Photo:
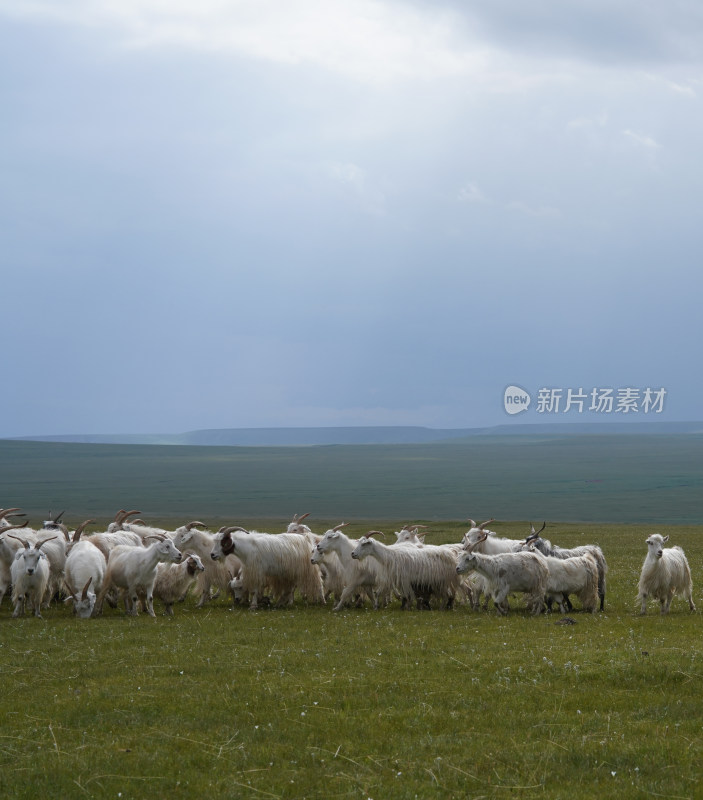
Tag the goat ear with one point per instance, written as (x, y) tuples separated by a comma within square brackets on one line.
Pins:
[(665, 539)]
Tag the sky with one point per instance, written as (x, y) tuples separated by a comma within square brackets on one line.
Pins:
[(347, 212)]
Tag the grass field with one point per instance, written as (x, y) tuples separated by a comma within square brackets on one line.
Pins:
[(629, 478), (306, 703)]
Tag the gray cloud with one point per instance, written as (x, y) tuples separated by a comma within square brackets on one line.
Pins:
[(197, 232)]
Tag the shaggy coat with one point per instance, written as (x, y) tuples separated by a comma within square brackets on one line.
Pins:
[(414, 572), (84, 563), (134, 569), (545, 547), (577, 575), (30, 577), (358, 577), (279, 562), (510, 572), (217, 574), (665, 573)]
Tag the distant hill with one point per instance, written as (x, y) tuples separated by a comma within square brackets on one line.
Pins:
[(297, 437)]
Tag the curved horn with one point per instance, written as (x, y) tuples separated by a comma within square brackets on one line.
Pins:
[(472, 522), (483, 524), (79, 530), (297, 519), (20, 539), (38, 545), (195, 524), (233, 528), (84, 596), (481, 538), (373, 533), (7, 528), (544, 525), (340, 526), (5, 511), (158, 536), (128, 514), (118, 516)]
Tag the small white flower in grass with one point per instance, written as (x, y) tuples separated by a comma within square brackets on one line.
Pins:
[(578, 710), (302, 713), (613, 773)]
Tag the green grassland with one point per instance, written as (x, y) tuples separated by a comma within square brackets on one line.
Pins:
[(308, 703), (222, 702), (627, 478)]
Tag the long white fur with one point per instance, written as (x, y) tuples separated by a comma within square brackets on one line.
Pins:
[(216, 574), (30, 577), (510, 572), (665, 573), (577, 575), (412, 570), (280, 562), (134, 569), (358, 577), (174, 580), (84, 562)]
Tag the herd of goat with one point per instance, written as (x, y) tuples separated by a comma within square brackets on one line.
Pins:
[(135, 563)]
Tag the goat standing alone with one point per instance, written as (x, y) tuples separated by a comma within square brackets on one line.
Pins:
[(665, 572)]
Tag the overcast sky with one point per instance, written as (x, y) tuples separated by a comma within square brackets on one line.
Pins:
[(345, 212)]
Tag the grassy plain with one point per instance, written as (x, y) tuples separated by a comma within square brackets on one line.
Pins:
[(306, 703), (627, 478)]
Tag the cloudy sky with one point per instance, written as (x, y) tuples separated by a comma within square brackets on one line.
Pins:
[(244, 213)]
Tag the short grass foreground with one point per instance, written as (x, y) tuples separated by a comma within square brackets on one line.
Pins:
[(306, 703)]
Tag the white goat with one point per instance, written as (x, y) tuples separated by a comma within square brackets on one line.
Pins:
[(134, 569), (9, 546), (279, 561), (665, 573), (410, 534), (173, 580), (332, 573), (120, 518), (545, 547), (30, 576), (577, 575), (415, 573), (297, 526), (215, 573), (84, 573), (55, 551), (489, 544), (358, 577), (508, 572)]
